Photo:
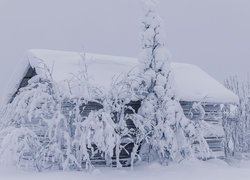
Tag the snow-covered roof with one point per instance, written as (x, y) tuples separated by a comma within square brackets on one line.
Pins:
[(192, 83)]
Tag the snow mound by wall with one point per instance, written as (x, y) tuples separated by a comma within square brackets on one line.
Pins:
[(192, 83)]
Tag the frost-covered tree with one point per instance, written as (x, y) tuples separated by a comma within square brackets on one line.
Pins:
[(95, 137), (158, 103), (98, 133), (79, 84), (35, 117), (237, 118), (117, 102), (18, 147), (170, 132), (199, 144), (104, 132)]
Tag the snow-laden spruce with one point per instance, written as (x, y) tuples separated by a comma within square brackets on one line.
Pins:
[(172, 135)]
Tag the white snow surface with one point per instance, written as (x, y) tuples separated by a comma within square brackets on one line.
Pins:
[(188, 170), (192, 83)]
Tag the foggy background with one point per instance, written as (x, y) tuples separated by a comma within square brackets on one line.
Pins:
[(213, 34)]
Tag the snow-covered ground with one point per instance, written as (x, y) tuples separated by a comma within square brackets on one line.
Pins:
[(189, 170)]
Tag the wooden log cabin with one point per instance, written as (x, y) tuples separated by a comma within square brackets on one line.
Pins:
[(193, 85)]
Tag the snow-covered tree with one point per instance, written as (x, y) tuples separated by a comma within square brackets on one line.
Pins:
[(170, 130), (95, 136), (198, 142), (98, 133), (158, 103), (18, 147), (117, 102), (79, 84), (237, 118), (35, 114)]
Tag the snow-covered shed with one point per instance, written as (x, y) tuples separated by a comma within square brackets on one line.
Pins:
[(192, 83)]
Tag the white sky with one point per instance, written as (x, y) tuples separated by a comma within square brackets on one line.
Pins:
[(213, 34)]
